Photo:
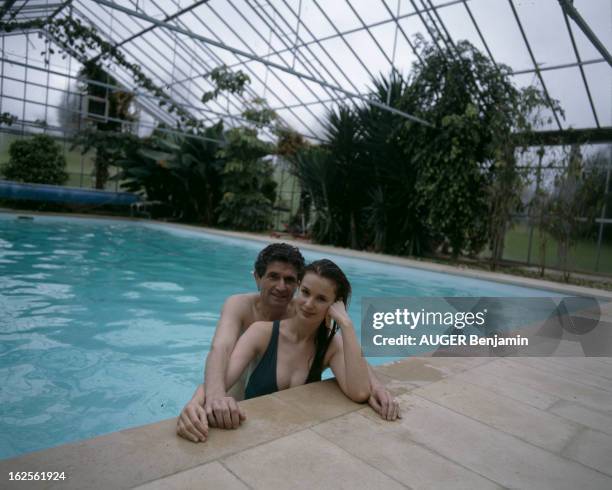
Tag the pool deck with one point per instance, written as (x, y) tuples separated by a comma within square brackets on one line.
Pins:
[(467, 423)]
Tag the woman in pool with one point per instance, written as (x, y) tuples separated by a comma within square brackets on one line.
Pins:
[(295, 351)]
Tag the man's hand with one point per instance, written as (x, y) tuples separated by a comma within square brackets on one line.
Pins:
[(192, 423), (224, 412), (383, 403)]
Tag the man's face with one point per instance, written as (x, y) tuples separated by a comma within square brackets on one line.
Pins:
[(278, 284)]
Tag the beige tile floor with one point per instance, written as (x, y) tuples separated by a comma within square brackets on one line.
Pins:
[(467, 423)]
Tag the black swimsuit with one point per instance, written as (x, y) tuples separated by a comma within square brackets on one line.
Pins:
[(263, 379)]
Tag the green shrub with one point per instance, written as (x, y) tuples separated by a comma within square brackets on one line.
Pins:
[(37, 160), (249, 190)]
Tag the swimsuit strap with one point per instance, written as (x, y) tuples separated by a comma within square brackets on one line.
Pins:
[(263, 378)]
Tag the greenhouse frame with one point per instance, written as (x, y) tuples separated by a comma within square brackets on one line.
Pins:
[(304, 59)]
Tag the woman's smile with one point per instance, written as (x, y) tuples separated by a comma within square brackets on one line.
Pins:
[(307, 314)]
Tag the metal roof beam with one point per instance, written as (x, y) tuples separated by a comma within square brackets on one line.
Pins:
[(8, 4), (113, 88), (482, 38), (342, 33), (422, 19), (29, 8), (152, 109), (448, 40), (305, 62), (205, 63), (323, 48), (59, 9), (167, 19), (155, 61), (282, 82), (333, 97), (251, 71), (313, 70), (535, 64), (396, 19), (173, 36), (347, 44), (367, 29), (257, 58), (557, 67), (584, 80), (566, 137), (569, 9)]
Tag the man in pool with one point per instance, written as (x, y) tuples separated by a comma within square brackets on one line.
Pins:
[(278, 269)]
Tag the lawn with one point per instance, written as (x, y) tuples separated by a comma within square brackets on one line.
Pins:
[(582, 257)]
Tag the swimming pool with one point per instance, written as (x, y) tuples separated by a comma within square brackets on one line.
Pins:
[(105, 324)]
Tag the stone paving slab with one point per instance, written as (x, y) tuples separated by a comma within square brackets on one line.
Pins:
[(549, 383), (514, 389), (305, 461), (601, 366), (211, 475), (425, 370), (320, 401), (583, 415), (530, 424), (593, 449), (503, 458), (388, 447), (566, 370)]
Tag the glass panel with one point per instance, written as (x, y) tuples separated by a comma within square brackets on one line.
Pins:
[(605, 255), (566, 85), (597, 14), (35, 93), (546, 31), (599, 80), (500, 29), (516, 244)]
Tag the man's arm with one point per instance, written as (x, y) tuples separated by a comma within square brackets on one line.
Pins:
[(192, 423), (222, 410), (211, 398)]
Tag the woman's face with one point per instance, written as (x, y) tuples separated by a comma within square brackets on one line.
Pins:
[(315, 295)]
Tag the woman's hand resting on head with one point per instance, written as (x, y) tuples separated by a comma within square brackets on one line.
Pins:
[(337, 311)]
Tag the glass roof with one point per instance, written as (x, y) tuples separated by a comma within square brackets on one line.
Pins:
[(304, 56)]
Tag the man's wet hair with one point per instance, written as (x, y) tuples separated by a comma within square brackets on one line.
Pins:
[(279, 252)]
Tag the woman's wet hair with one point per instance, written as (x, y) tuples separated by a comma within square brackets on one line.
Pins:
[(279, 252), (327, 269)]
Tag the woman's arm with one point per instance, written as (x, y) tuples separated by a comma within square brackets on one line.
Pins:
[(345, 359)]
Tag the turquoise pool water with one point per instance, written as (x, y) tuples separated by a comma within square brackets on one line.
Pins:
[(104, 325)]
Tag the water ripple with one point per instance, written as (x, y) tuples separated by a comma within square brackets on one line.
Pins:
[(161, 286)]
